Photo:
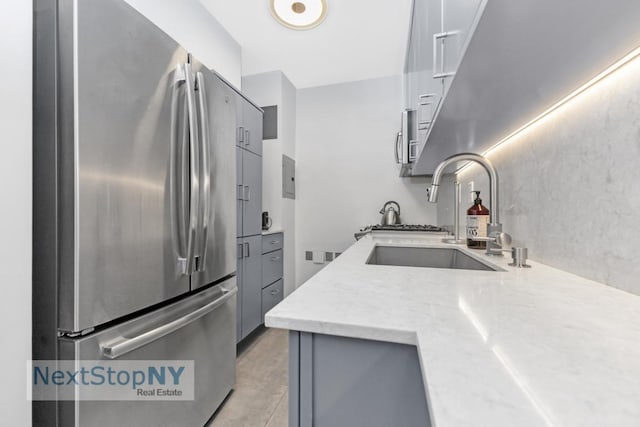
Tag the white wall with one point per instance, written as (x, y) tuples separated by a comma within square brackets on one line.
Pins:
[(15, 213), (570, 184), (345, 166), (273, 88), (190, 24)]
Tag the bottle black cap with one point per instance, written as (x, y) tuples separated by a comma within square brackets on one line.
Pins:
[(478, 200)]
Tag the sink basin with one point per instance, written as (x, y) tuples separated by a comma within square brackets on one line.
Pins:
[(451, 258)]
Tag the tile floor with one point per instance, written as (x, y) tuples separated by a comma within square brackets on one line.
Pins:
[(260, 397)]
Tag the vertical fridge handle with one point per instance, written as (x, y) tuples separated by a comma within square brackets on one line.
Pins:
[(194, 157), (398, 142), (176, 195), (205, 208)]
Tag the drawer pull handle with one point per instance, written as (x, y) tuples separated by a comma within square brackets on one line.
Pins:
[(275, 242), (275, 292), (275, 258)]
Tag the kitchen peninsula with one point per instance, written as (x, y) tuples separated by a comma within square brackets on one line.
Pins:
[(525, 347)]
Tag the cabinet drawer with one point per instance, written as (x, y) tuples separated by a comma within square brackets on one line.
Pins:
[(271, 267), (272, 242), (271, 295)]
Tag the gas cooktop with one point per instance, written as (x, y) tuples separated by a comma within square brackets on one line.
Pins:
[(403, 227), (399, 227)]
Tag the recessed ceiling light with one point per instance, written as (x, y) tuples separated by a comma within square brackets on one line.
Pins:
[(299, 15)]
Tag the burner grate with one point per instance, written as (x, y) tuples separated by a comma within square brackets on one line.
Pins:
[(403, 227)]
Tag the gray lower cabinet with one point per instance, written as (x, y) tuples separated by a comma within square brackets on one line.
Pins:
[(249, 284), (338, 381), (272, 271), (271, 296)]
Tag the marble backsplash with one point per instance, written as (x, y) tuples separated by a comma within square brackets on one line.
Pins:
[(570, 184)]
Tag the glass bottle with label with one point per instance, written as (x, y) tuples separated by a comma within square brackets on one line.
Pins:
[(477, 220)]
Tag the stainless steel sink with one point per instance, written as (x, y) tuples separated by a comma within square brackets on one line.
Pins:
[(451, 258)]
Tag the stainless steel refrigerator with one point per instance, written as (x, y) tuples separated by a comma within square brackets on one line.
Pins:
[(134, 208)]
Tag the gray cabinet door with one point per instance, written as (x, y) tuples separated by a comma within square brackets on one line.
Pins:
[(239, 278), (240, 120), (239, 192), (457, 19), (253, 128), (251, 284), (252, 204)]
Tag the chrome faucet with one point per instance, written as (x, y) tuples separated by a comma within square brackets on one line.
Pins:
[(496, 238)]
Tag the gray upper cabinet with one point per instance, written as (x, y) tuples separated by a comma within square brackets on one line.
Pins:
[(252, 183), (253, 128), (522, 58), (439, 33), (249, 120)]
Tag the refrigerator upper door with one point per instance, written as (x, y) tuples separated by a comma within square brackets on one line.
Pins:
[(124, 223), (216, 254)]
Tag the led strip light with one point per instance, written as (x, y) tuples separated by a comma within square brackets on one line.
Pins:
[(582, 89)]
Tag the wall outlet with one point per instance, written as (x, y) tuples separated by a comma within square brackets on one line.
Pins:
[(472, 187)]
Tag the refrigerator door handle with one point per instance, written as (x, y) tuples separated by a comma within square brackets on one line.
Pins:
[(194, 155), (121, 345), (177, 146), (206, 171)]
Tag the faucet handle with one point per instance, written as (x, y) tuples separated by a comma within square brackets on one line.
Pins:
[(498, 237)]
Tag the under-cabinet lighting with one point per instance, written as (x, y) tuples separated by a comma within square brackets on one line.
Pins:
[(573, 95)]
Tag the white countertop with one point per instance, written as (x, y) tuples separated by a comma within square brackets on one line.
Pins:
[(272, 231), (526, 347)]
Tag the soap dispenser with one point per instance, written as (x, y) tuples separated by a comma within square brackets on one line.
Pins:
[(477, 220)]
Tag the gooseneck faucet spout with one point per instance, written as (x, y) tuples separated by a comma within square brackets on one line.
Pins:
[(494, 228), (486, 164)]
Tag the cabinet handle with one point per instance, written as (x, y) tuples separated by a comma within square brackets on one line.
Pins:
[(241, 134), (275, 242), (248, 137), (424, 101), (441, 37), (275, 258), (427, 96), (248, 196), (413, 150), (240, 192), (248, 250), (275, 292), (240, 251), (398, 144)]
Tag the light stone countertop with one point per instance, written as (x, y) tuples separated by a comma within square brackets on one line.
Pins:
[(273, 230), (526, 347)]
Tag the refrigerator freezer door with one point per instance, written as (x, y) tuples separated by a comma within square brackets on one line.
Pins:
[(217, 234), (121, 222), (209, 341)]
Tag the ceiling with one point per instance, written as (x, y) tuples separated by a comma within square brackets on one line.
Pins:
[(359, 39)]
